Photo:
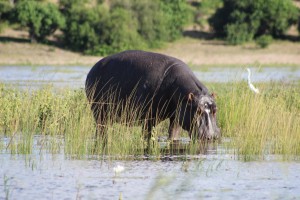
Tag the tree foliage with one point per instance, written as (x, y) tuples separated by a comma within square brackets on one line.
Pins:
[(100, 30), (122, 24), (299, 24), (243, 20), (205, 9), (79, 32), (42, 19), (151, 24), (177, 15), (263, 41), (5, 8), (102, 27), (119, 32)]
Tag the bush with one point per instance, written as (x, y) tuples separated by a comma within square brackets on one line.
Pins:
[(149, 18), (264, 41), (5, 8), (41, 19), (252, 19), (100, 30), (177, 14), (122, 24), (79, 31), (158, 20), (118, 32), (204, 10), (299, 24), (238, 33)]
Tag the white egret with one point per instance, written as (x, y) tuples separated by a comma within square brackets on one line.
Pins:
[(118, 169), (251, 86)]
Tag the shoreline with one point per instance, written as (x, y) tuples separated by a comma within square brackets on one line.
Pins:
[(195, 52)]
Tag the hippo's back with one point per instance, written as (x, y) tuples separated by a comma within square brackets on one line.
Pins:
[(127, 71)]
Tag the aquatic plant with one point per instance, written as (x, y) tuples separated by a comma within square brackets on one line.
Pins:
[(6, 186), (61, 121), (260, 125)]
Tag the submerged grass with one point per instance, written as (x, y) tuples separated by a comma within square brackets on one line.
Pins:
[(256, 125)]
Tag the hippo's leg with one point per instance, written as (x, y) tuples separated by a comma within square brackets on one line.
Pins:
[(101, 128), (174, 129), (147, 131)]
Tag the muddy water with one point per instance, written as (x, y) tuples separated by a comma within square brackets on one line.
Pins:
[(74, 76), (210, 176)]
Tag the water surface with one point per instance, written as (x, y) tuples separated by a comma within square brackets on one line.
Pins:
[(74, 76), (214, 175)]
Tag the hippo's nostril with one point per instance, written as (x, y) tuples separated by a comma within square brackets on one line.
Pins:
[(209, 138)]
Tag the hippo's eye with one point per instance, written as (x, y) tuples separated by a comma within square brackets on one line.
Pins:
[(205, 105)]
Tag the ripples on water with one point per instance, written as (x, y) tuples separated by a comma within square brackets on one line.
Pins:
[(214, 175)]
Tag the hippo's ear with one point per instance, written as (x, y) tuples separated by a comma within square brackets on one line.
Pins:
[(191, 96), (214, 95)]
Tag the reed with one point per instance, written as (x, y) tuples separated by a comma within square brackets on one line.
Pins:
[(256, 125), (264, 124)]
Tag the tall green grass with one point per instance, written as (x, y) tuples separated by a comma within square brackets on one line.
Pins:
[(261, 124), (256, 125)]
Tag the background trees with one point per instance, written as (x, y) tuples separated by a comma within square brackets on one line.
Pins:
[(42, 19), (244, 20), (5, 8), (108, 26), (123, 24)]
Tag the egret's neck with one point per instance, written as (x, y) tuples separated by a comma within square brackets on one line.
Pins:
[(249, 76)]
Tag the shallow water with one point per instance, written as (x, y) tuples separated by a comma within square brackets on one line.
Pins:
[(264, 74), (32, 77), (74, 76), (214, 175), (54, 177)]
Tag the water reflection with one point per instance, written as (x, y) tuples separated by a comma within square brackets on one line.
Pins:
[(183, 147)]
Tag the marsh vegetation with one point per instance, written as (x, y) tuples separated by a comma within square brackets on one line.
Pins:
[(253, 125)]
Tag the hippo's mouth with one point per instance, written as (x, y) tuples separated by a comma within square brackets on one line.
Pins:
[(207, 127)]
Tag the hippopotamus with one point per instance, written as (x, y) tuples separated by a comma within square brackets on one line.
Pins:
[(157, 87)]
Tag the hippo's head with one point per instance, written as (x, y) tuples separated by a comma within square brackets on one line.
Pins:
[(200, 117)]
